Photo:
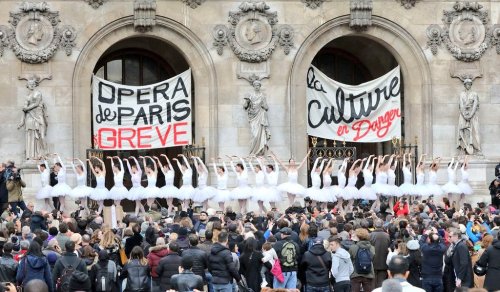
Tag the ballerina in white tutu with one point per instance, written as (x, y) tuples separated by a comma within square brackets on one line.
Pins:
[(465, 188), (202, 193), (350, 191), (272, 176), (433, 188), (339, 189), (407, 188), (100, 192), (118, 192), (137, 192), (292, 187), (223, 194), (394, 191), (451, 188), (186, 191), (261, 193), (420, 187), (168, 191), (61, 189), (242, 192), (314, 193), (366, 192), (81, 191), (327, 191), (152, 191), (44, 193), (380, 186)]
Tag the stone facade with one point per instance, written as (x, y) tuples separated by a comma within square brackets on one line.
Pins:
[(431, 93)]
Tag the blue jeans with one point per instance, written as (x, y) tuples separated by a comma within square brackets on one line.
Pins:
[(289, 283), (210, 286), (20, 204), (432, 284), (223, 287), (310, 288)]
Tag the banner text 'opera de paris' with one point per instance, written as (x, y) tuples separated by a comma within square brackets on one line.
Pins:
[(142, 117), (369, 112)]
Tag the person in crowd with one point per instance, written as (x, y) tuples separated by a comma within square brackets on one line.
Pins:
[(381, 241), (137, 272), (156, 253), (490, 260), (8, 266), (342, 267), (135, 240), (63, 236), (391, 285), (288, 252), (186, 280), (415, 263), (206, 246), (36, 285), (169, 266), (198, 257), (103, 275), (251, 264), (317, 263), (69, 259), (461, 260), (362, 255), (4, 194), (14, 186), (34, 266), (398, 270), (221, 265)]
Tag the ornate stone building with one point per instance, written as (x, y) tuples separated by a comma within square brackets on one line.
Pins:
[(229, 44)]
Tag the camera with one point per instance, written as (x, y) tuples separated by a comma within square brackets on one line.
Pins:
[(15, 176)]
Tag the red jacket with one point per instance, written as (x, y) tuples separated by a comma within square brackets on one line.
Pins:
[(156, 253), (401, 212), (20, 255)]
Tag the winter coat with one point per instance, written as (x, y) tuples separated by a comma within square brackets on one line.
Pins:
[(15, 190), (137, 277), (73, 260), (168, 266), (353, 251), (221, 265), (432, 258), (342, 267), (317, 271), (250, 266), (490, 258), (289, 256), (462, 264), (156, 253), (61, 240), (33, 267), (415, 268), (38, 222), (401, 212), (108, 265), (206, 246), (200, 260), (186, 282), (381, 241), (131, 242), (4, 194), (8, 268)]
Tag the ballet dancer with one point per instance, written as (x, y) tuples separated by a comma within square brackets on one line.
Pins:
[(407, 188), (465, 188), (44, 193), (223, 194), (339, 189), (366, 192), (451, 188), (432, 186), (202, 193), (81, 192), (61, 189), (394, 191), (292, 188), (261, 193), (100, 192), (152, 191), (314, 192), (350, 191), (327, 192), (118, 192), (380, 186), (242, 192), (137, 192), (186, 190), (168, 191), (272, 176), (420, 187)]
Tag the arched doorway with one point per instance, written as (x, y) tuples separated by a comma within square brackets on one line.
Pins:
[(403, 48)]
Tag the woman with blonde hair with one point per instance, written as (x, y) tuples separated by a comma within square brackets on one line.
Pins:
[(110, 243), (137, 272), (304, 232)]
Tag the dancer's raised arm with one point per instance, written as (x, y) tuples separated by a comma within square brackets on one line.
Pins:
[(121, 164), (200, 162), (313, 169), (155, 166), (185, 160), (277, 161), (304, 160)]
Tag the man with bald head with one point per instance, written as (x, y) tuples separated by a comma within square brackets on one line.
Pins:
[(399, 270)]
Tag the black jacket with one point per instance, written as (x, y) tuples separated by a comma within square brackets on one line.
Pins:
[(168, 266), (70, 259), (200, 260), (4, 194), (138, 279), (432, 258), (221, 265), (317, 272), (37, 222), (288, 252), (462, 264), (186, 282), (135, 240), (8, 268), (381, 241), (490, 259)]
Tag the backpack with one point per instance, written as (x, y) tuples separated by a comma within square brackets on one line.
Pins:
[(62, 284), (289, 255), (363, 262), (104, 278)]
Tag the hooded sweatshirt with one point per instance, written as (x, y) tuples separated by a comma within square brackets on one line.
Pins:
[(33, 267), (342, 267)]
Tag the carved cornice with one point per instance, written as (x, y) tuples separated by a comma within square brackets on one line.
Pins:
[(34, 35), (193, 3), (408, 4), (465, 34), (313, 4), (361, 14), (95, 3)]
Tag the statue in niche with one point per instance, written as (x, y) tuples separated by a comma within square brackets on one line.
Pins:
[(34, 34), (34, 121), (256, 106), (468, 121)]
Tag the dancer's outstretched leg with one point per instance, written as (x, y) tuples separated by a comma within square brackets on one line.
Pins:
[(291, 199)]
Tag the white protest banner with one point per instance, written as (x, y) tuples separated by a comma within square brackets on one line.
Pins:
[(369, 112), (142, 117)]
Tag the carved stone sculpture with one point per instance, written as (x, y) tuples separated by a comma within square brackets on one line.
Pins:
[(34, 121), (361, 14), (256, 106), (253, 33), (95, 3), (313, 4), (468, 121), (408, 3), (144, 15), (193, 3), (35, 35), (465, 34)]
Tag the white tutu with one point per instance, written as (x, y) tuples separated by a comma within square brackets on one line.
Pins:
[(367, 193), (292, 188), (465, 188), (261, 194), (314, 193), (435, 190), (336, 192), (241, 193), (350, 193), (422, 190), (136, 193), (394, 191), (274, 195), (152, 192), (100, 194), (222, 196), (328, 194), (205, 193), (408, 189), (44, 193), (169, 191), (118, 193), (61, 189), (451, 188), (382, 189), (81, 192), (185, 192)]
